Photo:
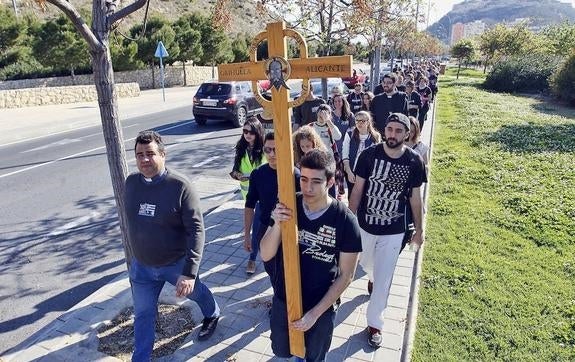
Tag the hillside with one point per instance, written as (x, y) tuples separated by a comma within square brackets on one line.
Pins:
[(245, 18), (541, 13)]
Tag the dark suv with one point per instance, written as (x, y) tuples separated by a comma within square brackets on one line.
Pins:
[(232, 101)]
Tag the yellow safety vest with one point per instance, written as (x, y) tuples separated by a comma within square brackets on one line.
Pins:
[(246, 168)]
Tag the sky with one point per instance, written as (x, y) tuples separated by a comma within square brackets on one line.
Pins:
[(439, 8)]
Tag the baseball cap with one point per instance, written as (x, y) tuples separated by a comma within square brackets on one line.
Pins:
[(399, 118)]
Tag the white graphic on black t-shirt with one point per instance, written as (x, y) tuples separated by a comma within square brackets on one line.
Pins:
[(387, 184), (320, 246), (147, 210)]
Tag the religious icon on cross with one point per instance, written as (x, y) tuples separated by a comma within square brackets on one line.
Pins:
[(278, 71)]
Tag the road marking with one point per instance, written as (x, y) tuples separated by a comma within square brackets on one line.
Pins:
[(73, 224), (100, 133), (51, 162), (45, 135), (82, 153), (62, 142), (206, 161)]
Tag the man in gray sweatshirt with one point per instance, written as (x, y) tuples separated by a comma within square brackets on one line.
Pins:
[(166, 232)]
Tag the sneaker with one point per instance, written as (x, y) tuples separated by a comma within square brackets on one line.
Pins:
[(375, 338), (208, 328), (251, 268), (369, 287)]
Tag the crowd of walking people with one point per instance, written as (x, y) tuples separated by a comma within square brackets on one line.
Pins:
[(365, 143)]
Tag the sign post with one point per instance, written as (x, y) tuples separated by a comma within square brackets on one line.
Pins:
[(161, 52), (278, 69)]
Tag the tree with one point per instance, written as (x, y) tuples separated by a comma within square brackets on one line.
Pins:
[(375, 20), (57, 43), (560, 38), (463, 50), (104, 18), (492, 44), (10, 35), (320, 21), (188, 40), (124, 54), (240, 46)]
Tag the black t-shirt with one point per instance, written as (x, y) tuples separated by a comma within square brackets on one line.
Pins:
[(413, 99), (383, 105), (355, 100), (424, 93), (388, 185), (264, 189), (320, 242), (307, 112)]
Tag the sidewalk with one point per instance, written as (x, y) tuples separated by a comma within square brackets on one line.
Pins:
[(243, 331)]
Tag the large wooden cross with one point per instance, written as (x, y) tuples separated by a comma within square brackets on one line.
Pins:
[(279, 69)]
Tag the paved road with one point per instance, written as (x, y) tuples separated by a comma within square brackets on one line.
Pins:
[(59, 235)]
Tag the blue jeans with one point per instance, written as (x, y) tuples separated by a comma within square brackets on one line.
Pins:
[(317, 338), (147, 283), (256, 229)]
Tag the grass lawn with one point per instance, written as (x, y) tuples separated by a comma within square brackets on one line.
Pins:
[(498, 278)]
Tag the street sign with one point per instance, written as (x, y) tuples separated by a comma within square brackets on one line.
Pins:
[(161, 52)]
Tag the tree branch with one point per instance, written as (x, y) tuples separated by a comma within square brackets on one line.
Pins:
[(136, 5), (78, 22)]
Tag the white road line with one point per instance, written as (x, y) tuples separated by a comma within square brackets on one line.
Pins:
[(80, 153), (45, 135), (51, 162), (206, 161), (73, 224), (100, 133), (62, 142)]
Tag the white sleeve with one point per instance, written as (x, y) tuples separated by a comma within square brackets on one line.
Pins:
[(345, 147)]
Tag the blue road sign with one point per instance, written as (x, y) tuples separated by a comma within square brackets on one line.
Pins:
[(161, 51)]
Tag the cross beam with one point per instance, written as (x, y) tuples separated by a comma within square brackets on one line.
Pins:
[(279, 72)]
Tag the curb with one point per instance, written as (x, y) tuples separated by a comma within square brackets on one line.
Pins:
[(413, 307)]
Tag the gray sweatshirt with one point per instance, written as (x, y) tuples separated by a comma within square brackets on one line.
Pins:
[(165, 222)]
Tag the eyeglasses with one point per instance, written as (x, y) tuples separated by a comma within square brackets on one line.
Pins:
[(269, 150), (247, 131), (360, 120)]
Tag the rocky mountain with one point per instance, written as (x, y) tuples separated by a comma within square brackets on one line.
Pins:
[(243, 14), (539, 12)]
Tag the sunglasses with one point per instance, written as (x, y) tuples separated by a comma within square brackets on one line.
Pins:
[(247, 131), (269, 150)]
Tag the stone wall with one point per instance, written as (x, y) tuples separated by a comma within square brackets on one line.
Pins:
[(174, 76), (16, 98)]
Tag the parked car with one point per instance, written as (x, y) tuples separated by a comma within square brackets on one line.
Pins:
[(357, 77), (232, 101)]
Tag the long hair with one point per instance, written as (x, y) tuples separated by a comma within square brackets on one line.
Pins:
[(345, 108), (370, 129), (305, 133), (370, 96), (242, 145), (415, 133)]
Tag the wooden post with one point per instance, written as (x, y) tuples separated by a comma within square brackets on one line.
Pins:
[(301, 68)]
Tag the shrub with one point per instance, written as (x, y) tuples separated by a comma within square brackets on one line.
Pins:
[(527, 73), (563, 80), (23, 69)]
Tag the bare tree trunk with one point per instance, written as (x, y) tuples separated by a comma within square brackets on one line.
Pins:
[(185, 76), (108, 102)]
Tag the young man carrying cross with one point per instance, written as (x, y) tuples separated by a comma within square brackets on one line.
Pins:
[(329, 244)]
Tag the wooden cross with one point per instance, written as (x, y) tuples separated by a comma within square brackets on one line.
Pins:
[(278, 69)]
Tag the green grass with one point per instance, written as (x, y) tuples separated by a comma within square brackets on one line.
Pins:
[(465, 72), (498, 278)]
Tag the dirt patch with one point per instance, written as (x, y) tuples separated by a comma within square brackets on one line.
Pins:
[(173, 325)]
